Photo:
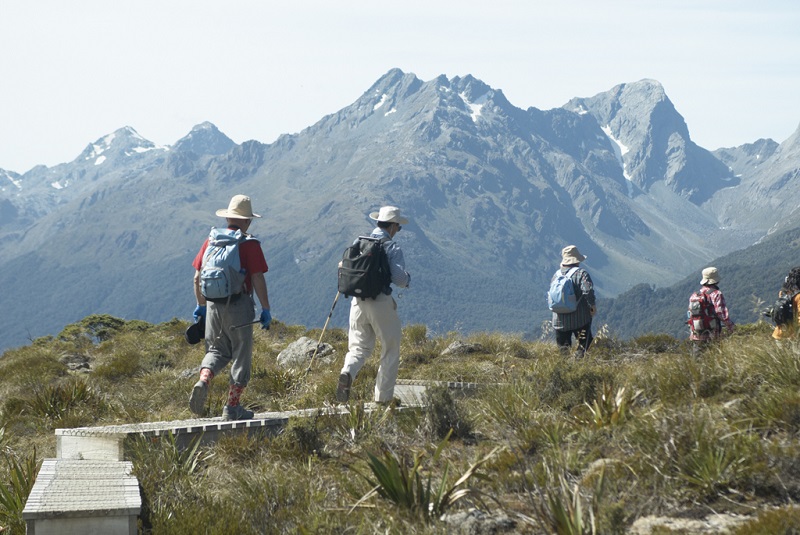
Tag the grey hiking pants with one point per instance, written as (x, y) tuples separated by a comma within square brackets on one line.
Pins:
[(225, 345)]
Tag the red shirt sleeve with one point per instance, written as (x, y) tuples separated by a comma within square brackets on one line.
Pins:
[(198, 260), (252, 257)]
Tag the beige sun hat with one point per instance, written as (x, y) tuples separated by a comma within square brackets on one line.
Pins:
[(389, 214), (238, 208), (710, 276), (571, 255)]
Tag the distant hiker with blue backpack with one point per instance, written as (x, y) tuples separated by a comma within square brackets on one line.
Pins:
[(572, 301), (366, 272), (707, 312), (229, 268)]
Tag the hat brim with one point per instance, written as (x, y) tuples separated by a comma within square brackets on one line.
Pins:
[(709, 281), (399, 220), (569, 260), (223, 212), (195, 332)]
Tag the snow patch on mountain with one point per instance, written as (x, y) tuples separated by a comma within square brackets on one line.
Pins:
[(620, 149), (100, 147), (476, 105), (17, 184), (383, 100)]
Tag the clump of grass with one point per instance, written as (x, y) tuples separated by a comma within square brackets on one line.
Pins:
[(302, 437), (566, 387), (609, 407), (119, 365), (357, 422), (407, 488), (66, 403), (656, 343), (93, 329), (15, 486), (783, 521), (444, 417), (559, 505)]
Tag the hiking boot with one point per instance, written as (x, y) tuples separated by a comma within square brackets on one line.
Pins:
[(197, 401), (236, 412), (343, 388)]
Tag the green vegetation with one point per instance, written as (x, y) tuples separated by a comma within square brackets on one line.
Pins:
[(558, 445), (751, 279)]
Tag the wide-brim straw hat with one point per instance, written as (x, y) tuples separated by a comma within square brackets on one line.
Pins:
[(389, 214), (710, 276), (571, 255), (238, 208)]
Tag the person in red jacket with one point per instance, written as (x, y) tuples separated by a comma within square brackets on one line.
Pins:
[(721, 317), (229, 335)]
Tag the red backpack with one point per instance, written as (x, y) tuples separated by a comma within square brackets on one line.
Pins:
[(702, 314)]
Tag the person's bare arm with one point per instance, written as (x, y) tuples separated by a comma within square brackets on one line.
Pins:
[(260, 288), (198, 295)]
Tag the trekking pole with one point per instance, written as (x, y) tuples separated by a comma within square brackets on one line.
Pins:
[(316, 349), (246, 324)]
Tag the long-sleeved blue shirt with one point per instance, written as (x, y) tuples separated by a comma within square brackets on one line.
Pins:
[(397, 264)]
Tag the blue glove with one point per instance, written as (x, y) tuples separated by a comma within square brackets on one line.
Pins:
[(265, 318), (199, 313)]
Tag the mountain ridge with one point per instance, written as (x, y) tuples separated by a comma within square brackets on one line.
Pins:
[(493, 193)]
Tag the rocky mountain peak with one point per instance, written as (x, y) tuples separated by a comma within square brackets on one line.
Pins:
[(124, 142), (205, 138), (653, 140)]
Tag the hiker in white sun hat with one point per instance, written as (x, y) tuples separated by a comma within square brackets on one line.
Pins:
[(574, 320), (229, 269), (376, 318), (708, 312)]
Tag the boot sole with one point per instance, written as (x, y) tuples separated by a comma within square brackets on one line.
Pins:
[(197, 401), (343, 388)]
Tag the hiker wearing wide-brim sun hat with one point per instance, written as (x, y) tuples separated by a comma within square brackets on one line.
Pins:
[(710, 276), (376, 317), (229, 271), (575, 319), (389, 214), (571, 256), (708, 312), (240, 207)]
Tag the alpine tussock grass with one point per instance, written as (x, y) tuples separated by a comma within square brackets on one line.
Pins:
[(546, 443)]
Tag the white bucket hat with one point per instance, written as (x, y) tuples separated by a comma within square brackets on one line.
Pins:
[(238, 208), (570, 255), (389, 214), (710, 276)]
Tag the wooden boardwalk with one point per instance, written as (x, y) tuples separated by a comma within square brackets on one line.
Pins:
[(89, 488)]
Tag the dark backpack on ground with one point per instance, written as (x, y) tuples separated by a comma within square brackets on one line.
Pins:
[(365, 269), (782, 312), (561, 298), (702, 314), (221, 274)]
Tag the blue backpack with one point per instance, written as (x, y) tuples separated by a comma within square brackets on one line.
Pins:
[(221, 274), (561, 297)]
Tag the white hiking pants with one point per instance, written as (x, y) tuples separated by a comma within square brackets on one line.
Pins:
[(370, 318)]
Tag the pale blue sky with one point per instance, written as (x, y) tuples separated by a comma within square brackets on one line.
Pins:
[(71, 72)]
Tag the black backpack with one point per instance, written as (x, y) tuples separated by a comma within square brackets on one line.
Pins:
[(365, 269), (782, 312)]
